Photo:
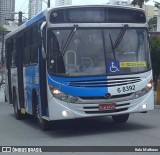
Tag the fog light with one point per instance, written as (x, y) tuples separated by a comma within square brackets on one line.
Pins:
[(144, 106), (65, 113)]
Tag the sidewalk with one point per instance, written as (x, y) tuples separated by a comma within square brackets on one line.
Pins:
[(2, 99)]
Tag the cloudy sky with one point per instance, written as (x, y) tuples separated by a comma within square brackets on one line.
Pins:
[(22, 5)]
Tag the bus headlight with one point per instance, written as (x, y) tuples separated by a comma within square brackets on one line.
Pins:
[(145, 90), (150, 84), (61, 96), (58, 94)]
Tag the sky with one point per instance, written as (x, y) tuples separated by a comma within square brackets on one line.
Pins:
[(22, 5)]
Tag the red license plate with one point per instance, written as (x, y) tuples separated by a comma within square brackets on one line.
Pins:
[(107, 106)]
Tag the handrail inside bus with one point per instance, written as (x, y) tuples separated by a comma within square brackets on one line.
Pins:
[(43, 49)]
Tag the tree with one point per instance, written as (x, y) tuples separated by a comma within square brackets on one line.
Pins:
[(155, 55), (151, 23), (139, 2), (2, 29), (157, 4)]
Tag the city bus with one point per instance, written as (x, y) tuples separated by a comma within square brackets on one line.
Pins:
[(82, 61)]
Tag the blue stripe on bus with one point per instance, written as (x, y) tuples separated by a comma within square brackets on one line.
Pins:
[(36, 18), (31, 73), (63, 84)]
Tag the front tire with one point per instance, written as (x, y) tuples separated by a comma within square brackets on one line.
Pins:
[(43, 124), (120, 118)]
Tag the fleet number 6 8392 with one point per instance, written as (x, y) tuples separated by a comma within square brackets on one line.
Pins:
[(126, 88)]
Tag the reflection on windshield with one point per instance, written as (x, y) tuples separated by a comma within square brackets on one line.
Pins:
[(90, 52), (69, 39)]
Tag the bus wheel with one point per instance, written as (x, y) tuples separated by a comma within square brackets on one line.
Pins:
[(120, 118), (44, 125), (17, 112)]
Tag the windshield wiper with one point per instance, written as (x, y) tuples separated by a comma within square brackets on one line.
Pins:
[(69, 39), (113, 49), (118, 40), (120, 36)]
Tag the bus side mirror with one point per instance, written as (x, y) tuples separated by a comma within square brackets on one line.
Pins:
[(43, 49)]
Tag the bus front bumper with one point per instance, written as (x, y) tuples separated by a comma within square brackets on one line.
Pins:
[(59, 110)]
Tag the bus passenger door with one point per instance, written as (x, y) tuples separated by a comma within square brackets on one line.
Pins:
[(8, 66), (20, 51)]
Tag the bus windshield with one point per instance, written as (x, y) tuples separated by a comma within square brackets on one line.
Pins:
[(95, 51)]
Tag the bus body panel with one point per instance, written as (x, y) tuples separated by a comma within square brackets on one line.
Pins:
[(14, 82), (90, 107), (77, 110), (92, 85), (64, 85), (31, 82)]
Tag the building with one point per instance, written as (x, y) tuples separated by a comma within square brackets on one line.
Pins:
[(63, 2), (156, 26), (150, 11), (120, 2), (35, 6), (7, 7)]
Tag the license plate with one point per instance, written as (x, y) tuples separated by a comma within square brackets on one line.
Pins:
[(107, 106)]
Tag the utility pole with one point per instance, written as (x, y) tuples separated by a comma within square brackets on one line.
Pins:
[(20, 14), (20, 18), (2, 58), (2, 51), (49, 4)]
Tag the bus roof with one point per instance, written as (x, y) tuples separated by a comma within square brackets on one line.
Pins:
[(98, 5), (43, 14), (27, 23)]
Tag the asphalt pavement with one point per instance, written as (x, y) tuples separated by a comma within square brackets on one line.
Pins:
[(140, 130)]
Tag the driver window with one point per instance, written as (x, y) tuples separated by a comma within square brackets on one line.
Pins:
[(56, 62)]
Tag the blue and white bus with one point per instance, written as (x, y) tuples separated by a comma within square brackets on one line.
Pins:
[(80, 61)]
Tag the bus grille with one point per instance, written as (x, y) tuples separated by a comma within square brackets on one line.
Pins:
[(105, 82), (102, 97)]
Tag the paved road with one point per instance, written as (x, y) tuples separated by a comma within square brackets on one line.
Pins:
[(140, 130)]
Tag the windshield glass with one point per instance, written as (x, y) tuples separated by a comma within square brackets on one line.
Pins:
[(98, 52)]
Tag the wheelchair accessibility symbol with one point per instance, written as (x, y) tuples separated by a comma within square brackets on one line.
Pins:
[(113, 67)]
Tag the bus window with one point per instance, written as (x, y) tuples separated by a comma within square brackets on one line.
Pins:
[(34, 45), (28, 40), (56, 62)]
